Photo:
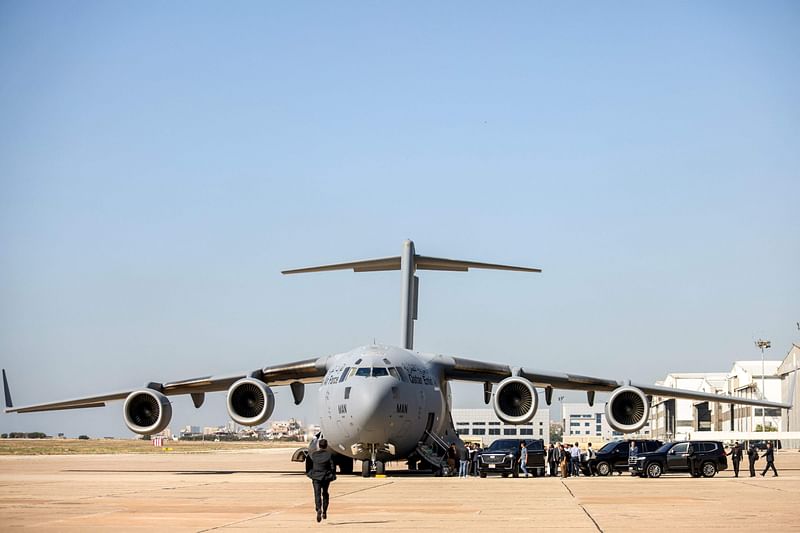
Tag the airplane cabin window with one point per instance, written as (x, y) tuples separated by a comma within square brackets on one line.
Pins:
[(379, 371), (364, 372)]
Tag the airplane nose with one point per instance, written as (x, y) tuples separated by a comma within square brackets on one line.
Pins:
[(372, 405)]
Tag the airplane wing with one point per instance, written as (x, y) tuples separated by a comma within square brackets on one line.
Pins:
[(460, 369), (305, 371)]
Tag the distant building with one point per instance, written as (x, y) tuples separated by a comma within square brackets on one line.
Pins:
[(675, 419), (744, 380), (790, 393), (581, 420), (286, 429), (483, 425)]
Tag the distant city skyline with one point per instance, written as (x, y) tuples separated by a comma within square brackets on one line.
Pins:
[(160, 164)]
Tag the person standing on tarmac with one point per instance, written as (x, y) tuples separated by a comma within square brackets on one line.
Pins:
[(736, 457), (752, 457), (692, 458), (523, 458), (770, 456), (463, 461), (322, 472), (552, 459)]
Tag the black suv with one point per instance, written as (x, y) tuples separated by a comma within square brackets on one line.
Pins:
[(502, 457), (614, 456), (709, 457)]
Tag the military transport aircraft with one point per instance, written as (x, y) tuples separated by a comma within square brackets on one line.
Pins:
[(382, 403)]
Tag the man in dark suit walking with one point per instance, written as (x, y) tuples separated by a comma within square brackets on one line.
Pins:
[(322, 472), (770, 456), (552, 459), (752, 457), (736, 457)]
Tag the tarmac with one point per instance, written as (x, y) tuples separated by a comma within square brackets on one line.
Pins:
[(262, 490)]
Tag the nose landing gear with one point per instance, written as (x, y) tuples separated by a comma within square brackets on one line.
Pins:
[(373, 464)]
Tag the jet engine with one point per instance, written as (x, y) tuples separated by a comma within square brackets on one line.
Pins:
[(250, 402), (147, 411), (515, 400), (627, 409)]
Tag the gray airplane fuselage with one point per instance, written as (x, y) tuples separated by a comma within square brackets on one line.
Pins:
[(382, 398)]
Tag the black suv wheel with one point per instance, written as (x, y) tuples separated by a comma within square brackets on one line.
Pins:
[(709, 469), (603, 469), (653, 470)]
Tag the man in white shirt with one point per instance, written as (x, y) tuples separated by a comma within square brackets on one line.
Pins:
[(575, 460)]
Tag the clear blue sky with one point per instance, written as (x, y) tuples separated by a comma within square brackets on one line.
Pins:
[(159, 164)]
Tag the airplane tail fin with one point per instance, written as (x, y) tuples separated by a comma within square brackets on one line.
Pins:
[(409, 262), (9, 403)]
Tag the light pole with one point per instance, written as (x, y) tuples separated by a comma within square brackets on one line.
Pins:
[(762, 344)]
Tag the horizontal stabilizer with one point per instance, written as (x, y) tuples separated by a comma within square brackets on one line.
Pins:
[(421, 262), (457, 265), (366, 265)]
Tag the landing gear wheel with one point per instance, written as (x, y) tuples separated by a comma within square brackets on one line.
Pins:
[(709, 469), (603, 469), (380, 468), (366, 468)]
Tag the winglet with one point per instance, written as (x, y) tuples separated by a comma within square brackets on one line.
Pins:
[(9, 403)]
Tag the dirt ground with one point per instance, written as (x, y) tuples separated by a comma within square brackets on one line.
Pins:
[(115, 446), (260, 489)]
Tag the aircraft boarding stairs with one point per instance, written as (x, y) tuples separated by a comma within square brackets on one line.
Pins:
[(432, 450)]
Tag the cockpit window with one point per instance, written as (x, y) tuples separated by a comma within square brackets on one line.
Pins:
[(403, 375), (364, 372), (394, 373), (379, 371), (344, 375)]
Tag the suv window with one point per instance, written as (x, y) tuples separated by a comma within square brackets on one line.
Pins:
[(608, 447), (535, 445), (681, 447), (504, 444)]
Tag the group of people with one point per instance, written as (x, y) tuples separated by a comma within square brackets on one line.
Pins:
[(736, 454), (565, 460), (562, 459), (466, 459)]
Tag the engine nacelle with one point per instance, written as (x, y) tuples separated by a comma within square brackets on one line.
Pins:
[(250, 402), (147, 412), (515, 400), (627, 409)]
